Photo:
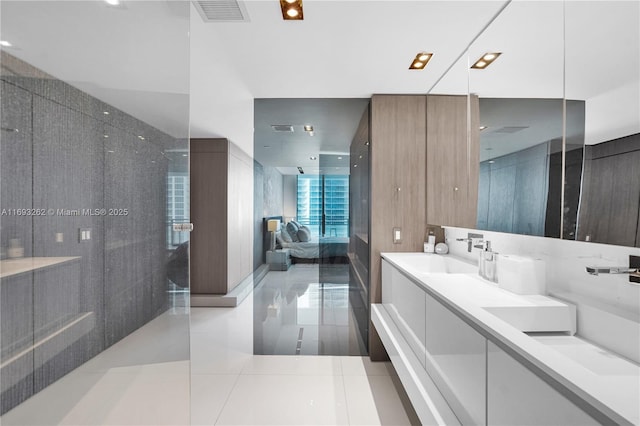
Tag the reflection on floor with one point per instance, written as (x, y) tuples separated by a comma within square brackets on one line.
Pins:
[(146, 379), (306, 311)]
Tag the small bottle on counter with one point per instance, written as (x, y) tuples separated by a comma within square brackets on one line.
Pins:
[(430, 244)]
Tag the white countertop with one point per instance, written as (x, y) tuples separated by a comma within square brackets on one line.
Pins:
[(9, 267), (601, 378)]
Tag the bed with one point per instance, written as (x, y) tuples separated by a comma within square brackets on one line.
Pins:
[(318, 250)]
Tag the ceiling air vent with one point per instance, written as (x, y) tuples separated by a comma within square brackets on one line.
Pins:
[(282, 128), (221, 10), (510, 129)]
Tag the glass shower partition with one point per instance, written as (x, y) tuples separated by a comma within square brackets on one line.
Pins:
[(94, 176)]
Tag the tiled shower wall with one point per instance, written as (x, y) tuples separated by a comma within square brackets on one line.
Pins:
[(64, 151)]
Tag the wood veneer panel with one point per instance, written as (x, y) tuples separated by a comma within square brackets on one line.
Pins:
[(610, 199), (209, 167), (452, 163), (398, 149), (470, 213)]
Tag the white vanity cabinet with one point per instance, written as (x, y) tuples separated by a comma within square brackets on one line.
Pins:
[(516, 396), (448, 354), (405, 302), (452, 353), (456, 361)]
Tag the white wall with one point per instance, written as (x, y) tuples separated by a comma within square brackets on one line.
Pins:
[(228, 114), (613, 114), (608, 305)]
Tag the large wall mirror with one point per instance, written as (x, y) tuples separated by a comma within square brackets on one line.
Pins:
[(559, 120), (602, 68)]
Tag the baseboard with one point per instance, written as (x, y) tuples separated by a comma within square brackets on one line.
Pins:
[(235, 296)]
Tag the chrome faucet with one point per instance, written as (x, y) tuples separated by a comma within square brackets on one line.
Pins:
[(597, 270), (487, 263), (473, 240), (633, 269)]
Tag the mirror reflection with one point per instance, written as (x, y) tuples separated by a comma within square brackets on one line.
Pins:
[(559, 120), (602, 69), (521, 120)]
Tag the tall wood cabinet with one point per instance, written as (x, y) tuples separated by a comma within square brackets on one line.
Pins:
[(221, 212), (452, 164), (359, 202), (398, 148), (422, 171)]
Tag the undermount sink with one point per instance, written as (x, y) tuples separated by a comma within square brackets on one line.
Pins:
[(527, 313), (459, 278), (428, 263)]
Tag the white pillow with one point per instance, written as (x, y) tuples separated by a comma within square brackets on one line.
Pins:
[(292, 228), (284, 236), (304, 235)]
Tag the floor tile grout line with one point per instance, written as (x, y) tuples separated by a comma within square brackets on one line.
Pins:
[(344, 391), (226, 400)]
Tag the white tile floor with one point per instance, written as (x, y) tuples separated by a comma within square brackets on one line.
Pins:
[(146, 379)]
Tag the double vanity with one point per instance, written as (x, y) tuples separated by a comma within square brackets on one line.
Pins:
[(470, 352)]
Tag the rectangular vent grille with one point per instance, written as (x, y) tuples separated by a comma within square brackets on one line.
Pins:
[(221, 10), (510, 129), (282, 128)]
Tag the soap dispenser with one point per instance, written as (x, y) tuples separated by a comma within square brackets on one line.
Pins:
[(487, 262)]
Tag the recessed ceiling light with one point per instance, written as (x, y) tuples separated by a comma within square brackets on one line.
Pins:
[(105, 112), (5, 43), (486, 60), (141, 137), (105, 136), (308, 128), (185, 155), (361, 156), (339, 158), (313, 157), (113, 2), (420, 61), (291, 10), (366, 143), (482, 127), (110, 152), (355, 165), (491, 161)]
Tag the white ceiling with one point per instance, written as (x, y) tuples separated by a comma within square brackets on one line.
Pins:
[(134, 57), (334, 122)]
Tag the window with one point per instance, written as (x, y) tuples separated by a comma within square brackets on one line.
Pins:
[(328, 195), (177, 207)]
